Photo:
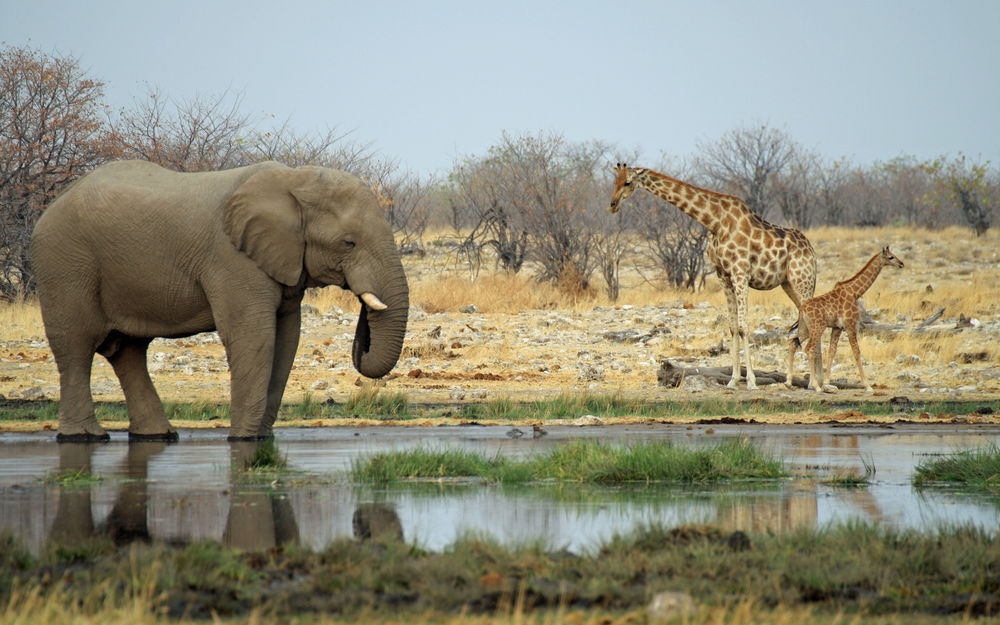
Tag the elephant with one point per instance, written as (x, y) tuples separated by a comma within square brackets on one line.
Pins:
[(132, 251)]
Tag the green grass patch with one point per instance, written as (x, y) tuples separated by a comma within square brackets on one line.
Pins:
[(976, 469), (857, 573), (198, 411), (376, 404), (582, 461), (267, 457), (373, 403)]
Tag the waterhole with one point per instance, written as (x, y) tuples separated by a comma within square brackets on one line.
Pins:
[(190, 490)]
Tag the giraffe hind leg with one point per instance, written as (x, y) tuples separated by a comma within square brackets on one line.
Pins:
[(834, 337)]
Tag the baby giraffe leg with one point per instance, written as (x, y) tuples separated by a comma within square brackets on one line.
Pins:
[(793, 346), (834, 337), (852, 337)]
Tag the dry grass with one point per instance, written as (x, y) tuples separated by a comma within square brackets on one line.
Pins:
[(20, 321)]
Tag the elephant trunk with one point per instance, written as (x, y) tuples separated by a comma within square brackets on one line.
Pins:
[(378, 339)]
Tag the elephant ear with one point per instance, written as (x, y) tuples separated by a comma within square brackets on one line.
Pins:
[(264, 221)]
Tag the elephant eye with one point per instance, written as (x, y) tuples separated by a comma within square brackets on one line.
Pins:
[(348, 244)]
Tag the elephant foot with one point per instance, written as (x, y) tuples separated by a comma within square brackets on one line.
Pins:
[(166, 437), (83, 437), (244, 439)]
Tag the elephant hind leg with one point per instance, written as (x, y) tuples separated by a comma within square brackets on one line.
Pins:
[(74, 358), (147, 420)]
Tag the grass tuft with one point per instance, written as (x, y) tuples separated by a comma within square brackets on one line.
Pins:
[(851, 477), (581, 461), (372, 403), (976, 469)]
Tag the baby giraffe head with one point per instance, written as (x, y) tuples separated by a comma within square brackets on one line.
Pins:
[(888, 258), (625, 178)]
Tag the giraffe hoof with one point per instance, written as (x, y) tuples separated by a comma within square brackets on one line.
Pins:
[(829, 388)]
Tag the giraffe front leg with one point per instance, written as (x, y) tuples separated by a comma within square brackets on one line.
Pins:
[(743, 327), (734, 336), (852, 338)]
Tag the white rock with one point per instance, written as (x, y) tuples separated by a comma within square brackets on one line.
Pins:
[(668, 606), (588, 419)]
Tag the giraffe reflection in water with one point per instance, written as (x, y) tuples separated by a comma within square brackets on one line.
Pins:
[(797, 508)]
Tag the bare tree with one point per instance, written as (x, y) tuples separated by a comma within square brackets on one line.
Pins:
[(675, 243), (201, 134), (50, 134), (403, 198), (831, 201), (971, 185), (480, 191), (796, 190), (744, 162)]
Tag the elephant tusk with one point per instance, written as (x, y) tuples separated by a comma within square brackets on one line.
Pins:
[(373, 302)]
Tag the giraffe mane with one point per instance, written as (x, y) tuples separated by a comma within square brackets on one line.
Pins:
[(657, 174), (862, 270)]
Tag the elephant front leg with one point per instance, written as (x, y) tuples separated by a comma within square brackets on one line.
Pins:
[(285, 345), (251, 358)]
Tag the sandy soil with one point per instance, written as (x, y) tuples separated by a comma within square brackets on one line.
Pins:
[(474, 356)]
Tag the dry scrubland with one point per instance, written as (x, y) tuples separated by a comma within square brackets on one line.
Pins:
[(525, 340)]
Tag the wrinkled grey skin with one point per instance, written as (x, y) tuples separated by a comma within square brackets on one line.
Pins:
[(133, 251)]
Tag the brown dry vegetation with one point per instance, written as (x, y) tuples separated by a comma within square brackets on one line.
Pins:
[(529, 340)]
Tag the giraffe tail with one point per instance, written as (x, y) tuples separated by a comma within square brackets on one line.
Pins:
[(793, 333)]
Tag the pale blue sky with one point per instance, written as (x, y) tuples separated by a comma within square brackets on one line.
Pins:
[(429, 82)]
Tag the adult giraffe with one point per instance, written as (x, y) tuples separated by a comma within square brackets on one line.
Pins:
[(746, 251)]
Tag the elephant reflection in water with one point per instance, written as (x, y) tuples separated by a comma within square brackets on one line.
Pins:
[(256, 520), (377, 522), (127, 521)]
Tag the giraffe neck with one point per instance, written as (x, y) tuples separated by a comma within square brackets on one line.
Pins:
[(863, 280), (704, 206)]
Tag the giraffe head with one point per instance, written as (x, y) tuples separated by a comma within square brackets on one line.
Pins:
[(625, 177), (888, 258)]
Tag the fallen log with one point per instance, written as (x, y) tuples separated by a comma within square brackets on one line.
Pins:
[(867, 325), (672, 376)]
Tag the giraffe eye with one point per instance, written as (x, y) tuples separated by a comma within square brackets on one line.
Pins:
[(628, 184)]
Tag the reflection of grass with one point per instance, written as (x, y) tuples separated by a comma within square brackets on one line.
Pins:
[(582, 461), (72, 477), (977, 469), (850, 477)]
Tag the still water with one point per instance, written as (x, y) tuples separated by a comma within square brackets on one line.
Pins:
[(188, 491)]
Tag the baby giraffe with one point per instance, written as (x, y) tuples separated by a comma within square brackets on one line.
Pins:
[(837, 309)]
